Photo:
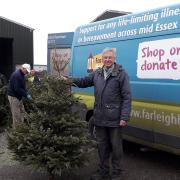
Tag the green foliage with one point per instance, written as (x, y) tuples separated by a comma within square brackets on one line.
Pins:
[(5, 115), (54, 137)]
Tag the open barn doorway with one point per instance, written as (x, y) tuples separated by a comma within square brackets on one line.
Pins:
[(6, 56)]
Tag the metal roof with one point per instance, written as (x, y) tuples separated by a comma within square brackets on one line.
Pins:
[(6, 19), (107, 14)]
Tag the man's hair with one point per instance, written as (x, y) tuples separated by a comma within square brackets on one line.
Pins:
[(109, 49)]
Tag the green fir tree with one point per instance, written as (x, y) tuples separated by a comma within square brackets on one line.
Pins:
[(53, 137), (5, 115)]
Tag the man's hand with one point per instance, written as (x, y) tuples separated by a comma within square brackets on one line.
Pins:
[(63, 78), (122, 123), (67, 80)]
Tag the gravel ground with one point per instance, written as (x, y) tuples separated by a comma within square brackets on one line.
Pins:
[(136, 165), (5, 154)]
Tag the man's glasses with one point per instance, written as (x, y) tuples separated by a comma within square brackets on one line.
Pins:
[(108, 57)]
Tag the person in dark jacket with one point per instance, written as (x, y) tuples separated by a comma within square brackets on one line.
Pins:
[(111, 112), (17, 91)]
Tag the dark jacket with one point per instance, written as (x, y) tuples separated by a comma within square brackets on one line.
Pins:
[(112, 96), (17, 85)]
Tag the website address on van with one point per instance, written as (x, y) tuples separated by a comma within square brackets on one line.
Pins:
[(166, 118)]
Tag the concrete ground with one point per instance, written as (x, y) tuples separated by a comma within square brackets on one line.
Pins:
[(137, 164)]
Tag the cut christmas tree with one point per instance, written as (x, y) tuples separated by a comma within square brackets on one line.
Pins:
[(53, 137)]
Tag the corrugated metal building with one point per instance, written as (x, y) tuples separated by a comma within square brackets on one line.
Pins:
[(16, 46), (110, 14)]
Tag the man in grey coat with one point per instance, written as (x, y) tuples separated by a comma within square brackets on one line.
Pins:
[(111, 112)]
